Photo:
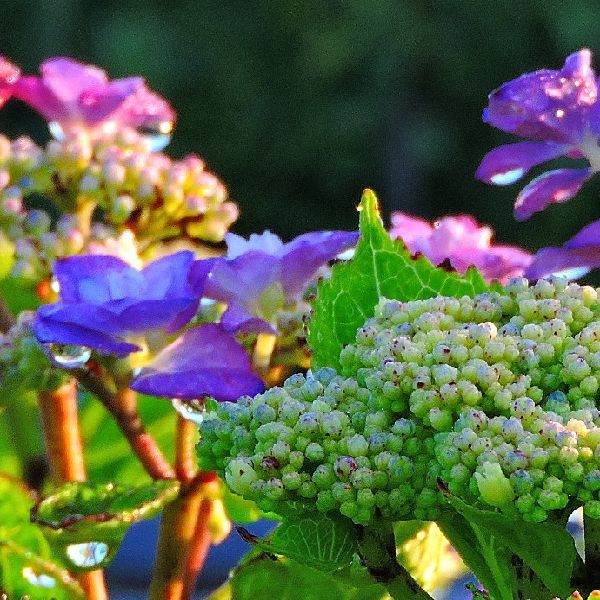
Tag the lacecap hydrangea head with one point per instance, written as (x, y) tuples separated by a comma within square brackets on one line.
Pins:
[(493, 395)]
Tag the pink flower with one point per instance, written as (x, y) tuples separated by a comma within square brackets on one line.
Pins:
[(9, 75), (463, 242), (71, 93)]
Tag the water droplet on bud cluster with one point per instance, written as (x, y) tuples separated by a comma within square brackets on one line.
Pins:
[(157, 134)]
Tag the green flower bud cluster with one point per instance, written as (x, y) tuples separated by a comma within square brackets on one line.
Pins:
[(495, 395), (118, 176), (321, 439), (23, 363)]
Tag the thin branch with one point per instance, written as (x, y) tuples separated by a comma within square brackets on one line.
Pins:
[(185, 457), (122, 405)]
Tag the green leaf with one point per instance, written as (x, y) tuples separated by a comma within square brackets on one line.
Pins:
[(286, 579), (546, 548), (314, 539), (85, 523), (238, 509), (381, 267), (27, 567)]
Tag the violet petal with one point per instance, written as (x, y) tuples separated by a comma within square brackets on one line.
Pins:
[(506, 164), (304, 255), (557, 260), (50, 331), (549, 188), (203, 361)]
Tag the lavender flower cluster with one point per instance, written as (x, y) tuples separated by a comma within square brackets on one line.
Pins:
[(494, 395)]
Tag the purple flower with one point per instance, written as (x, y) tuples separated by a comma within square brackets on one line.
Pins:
[(9, 75), (203, 361), (262, 275), (576, 257), (70, 93), (559, 113), (461, 241), (104, 300)]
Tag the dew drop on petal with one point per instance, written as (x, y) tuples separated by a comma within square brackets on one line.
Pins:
[(67, 356), (192, 410), (87, 554), (158, 135), (41, 580), (507, 177), (572, 274), (56, 130)]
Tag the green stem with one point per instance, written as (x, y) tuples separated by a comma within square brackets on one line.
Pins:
[(377, 549)]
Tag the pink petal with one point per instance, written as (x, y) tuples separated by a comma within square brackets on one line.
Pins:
[(506, 164), (551, 187), (67, 79)]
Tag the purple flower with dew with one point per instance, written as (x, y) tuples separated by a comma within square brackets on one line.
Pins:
[(558, 112), (262, 275), (204, 361), (104, 300), (463, 242), (574, 259), (70, 93)]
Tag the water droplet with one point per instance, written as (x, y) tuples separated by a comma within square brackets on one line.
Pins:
[(42, 580), (507, 177), (56, 130), (192, 410), (158, 134), (67, 356), (87, 554)]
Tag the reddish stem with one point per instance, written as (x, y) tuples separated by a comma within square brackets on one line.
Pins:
[(122, 405), (61, 433), (177, 532), (185, 457), (58, 409), (199, 548)]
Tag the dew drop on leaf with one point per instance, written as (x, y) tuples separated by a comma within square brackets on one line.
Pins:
[(41, 580), (87, 554)]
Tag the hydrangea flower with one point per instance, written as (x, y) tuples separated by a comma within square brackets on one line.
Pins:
[(558, 113), (262, 275), (71, 93), (104, 300), (463, 242), (203, 361)]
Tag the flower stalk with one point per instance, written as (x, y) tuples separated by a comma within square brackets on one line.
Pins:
[(58, 409), (122, 405), (377, 550)]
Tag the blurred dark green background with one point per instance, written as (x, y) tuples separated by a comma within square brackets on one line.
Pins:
[(299, 105)]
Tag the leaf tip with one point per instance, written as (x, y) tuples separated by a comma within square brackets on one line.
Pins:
[(368, 201)]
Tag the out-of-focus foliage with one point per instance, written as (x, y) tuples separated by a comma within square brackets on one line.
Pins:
[(298, 105)]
